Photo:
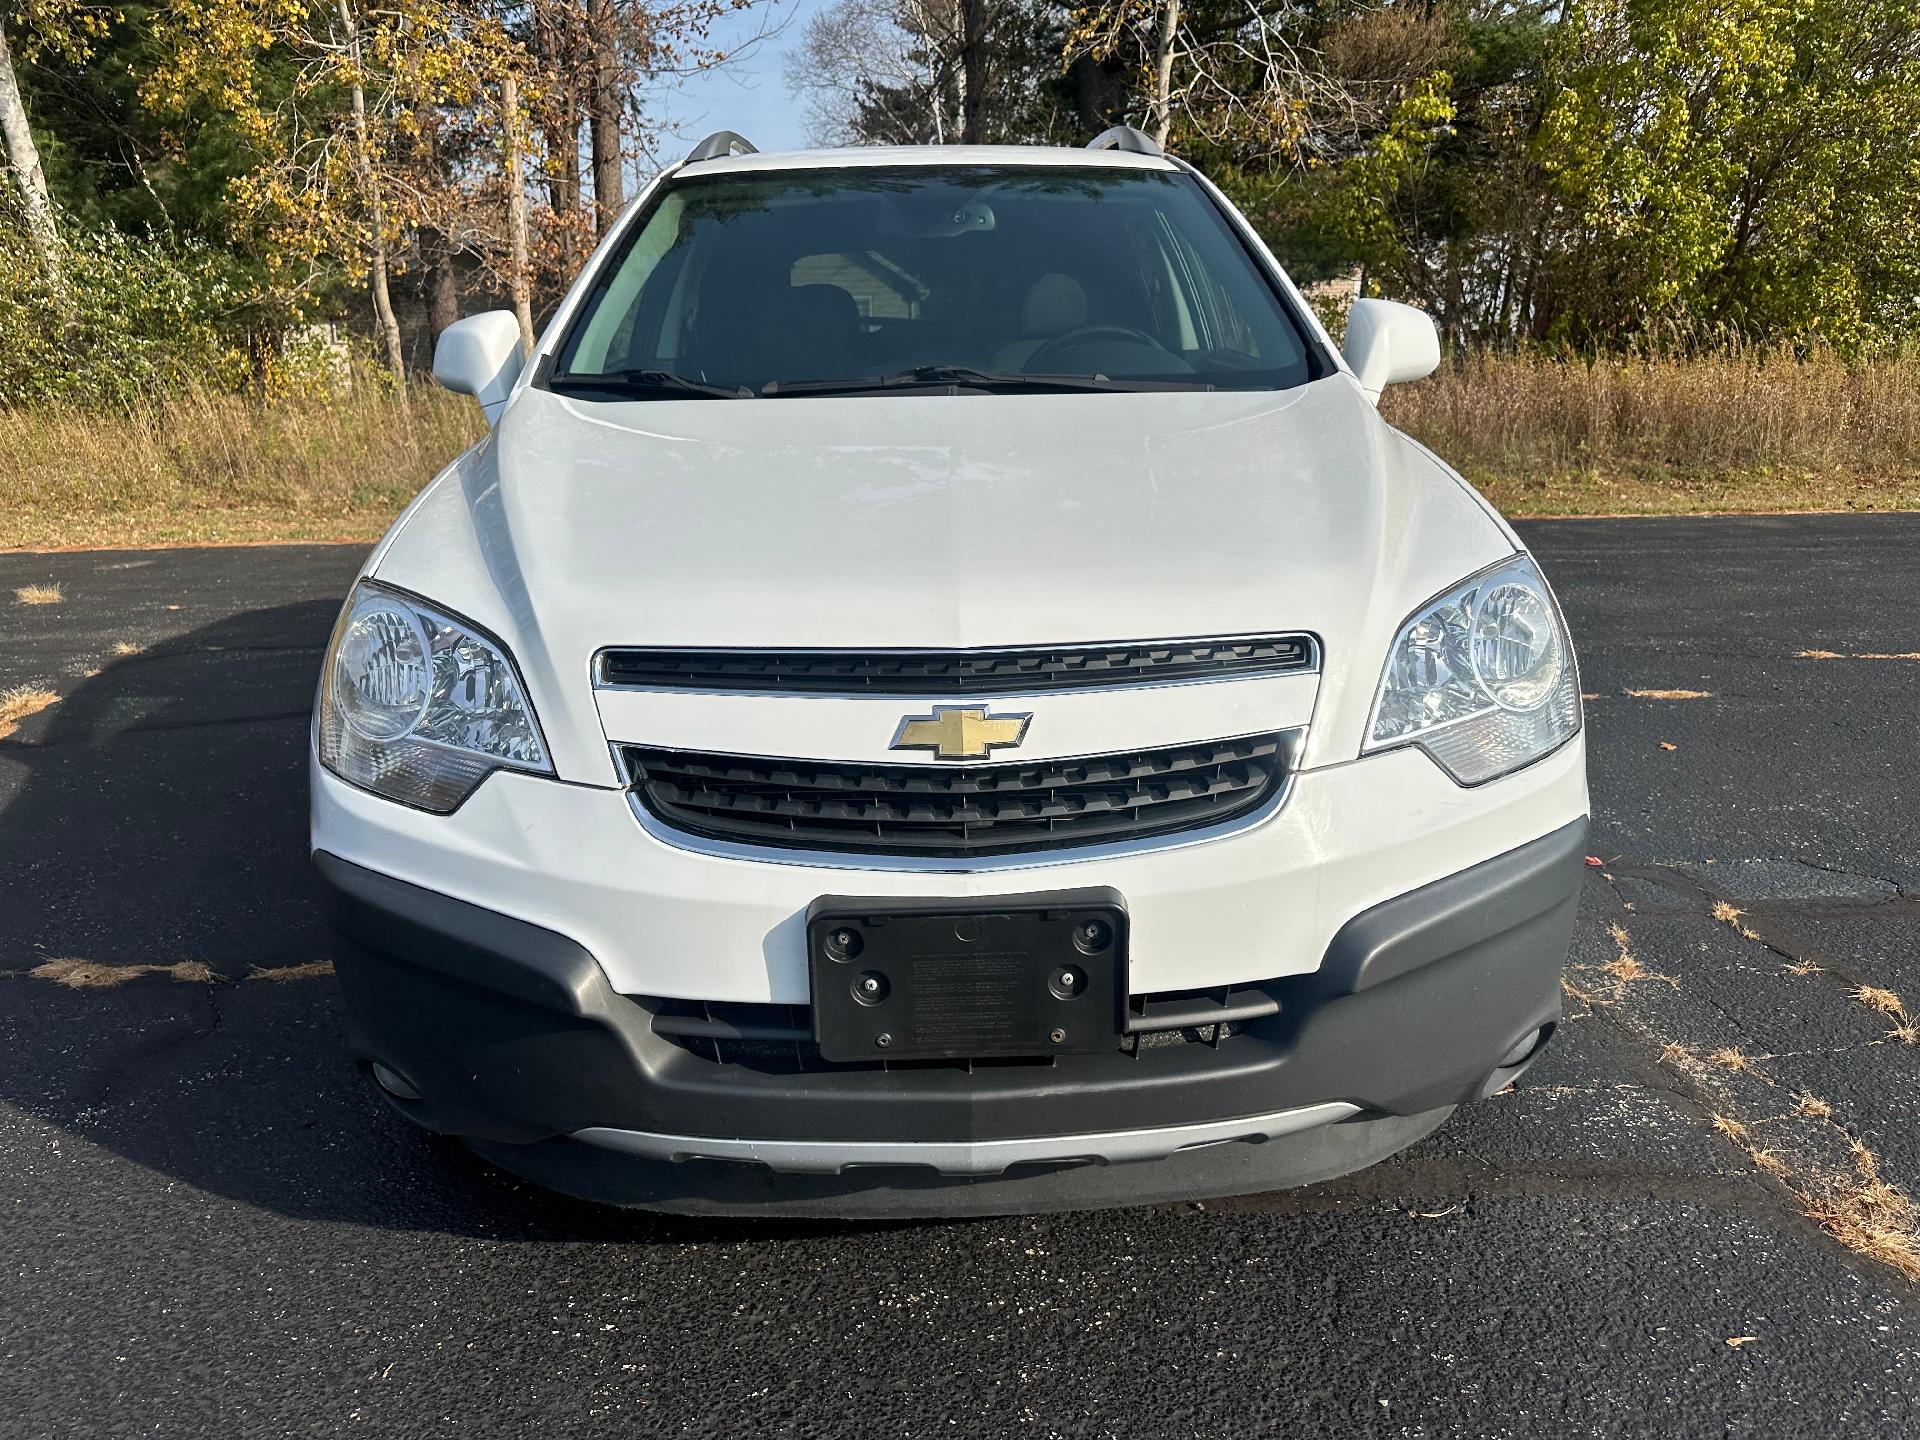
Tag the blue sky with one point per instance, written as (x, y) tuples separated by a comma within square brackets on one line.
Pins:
[(748, 94)]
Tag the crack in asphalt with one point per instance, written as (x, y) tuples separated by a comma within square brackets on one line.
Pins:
[(95, 1097), (1761, 916), (1816, 1195)]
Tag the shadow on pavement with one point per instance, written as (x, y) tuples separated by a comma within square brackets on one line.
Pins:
[(161, 819)]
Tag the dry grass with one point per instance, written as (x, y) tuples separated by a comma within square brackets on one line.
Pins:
[(1740, 431), (38, 595), (21, 701), (1865, 1213), (94, 975), (1733, 1129), (1881, 1002), (223, 468), (1753, 431), (1736, 917), (1621, 971), (1868, 655), (309, 970), (1671, 694)]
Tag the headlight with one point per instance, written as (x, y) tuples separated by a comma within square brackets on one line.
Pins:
[(1481, 678), (420, 706)]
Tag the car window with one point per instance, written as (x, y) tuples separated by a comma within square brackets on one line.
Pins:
[(756, 281)]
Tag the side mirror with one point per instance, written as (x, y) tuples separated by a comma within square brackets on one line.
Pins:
[(480, 356), (1387, 343)]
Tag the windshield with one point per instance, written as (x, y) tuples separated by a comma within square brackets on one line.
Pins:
[(868, 279)]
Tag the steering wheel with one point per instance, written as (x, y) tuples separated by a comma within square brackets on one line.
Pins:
[(1080, 335)]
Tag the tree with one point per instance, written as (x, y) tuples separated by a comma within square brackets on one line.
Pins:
[(23, 160), (352, 70), (931, 72), (68, 27), (1746, 168), (608, 42), (879, 71)]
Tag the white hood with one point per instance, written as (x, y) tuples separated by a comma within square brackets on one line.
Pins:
[(939, 521)]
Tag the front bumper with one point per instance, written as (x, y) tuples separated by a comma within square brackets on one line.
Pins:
[(511, 1035), (663, 917)]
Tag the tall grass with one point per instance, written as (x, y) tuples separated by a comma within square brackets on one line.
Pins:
[(1729, 430), (1649, 435), (205, 466)]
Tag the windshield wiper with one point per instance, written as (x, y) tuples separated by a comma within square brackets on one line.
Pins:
[(932, 377), (644, 385)]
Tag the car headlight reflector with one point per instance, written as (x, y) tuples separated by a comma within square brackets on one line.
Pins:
[(1518, 655), (420, 706), (1482, 677), (381, 673)]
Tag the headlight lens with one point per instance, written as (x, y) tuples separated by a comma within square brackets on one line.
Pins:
[(1482, 678), (420, 706)]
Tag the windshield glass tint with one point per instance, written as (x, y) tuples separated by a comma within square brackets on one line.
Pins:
[(811, 276)]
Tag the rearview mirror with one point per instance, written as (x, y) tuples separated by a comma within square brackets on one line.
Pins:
[(480, 356), (1388, 343)]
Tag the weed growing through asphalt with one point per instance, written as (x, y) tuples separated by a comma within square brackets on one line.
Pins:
[(38, 595), (20, 702), (1802, 1145), (308, 970), (1863, 655), (98, 975)]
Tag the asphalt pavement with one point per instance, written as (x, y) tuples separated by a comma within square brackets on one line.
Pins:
[(1685, 1221)]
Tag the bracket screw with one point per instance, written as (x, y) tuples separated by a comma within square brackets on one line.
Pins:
[(883, 1039)]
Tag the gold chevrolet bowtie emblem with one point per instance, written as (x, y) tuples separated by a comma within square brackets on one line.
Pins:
[(960, 732)]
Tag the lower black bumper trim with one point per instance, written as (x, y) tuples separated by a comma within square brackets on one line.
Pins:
[(511, 1033)]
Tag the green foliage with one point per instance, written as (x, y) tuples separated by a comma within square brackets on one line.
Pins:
[(1598, 175), (1747, 167), (138, 318), (1356, 201)]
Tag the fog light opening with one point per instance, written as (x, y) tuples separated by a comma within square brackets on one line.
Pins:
[(1525, 1048), (394, 1084)]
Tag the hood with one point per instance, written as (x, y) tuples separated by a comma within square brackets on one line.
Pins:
[(939, 521)]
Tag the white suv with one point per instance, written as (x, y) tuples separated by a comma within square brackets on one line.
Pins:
[(939, 693)]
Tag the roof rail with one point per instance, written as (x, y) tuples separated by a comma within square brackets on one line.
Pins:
[(720, 144), (1125, 137)]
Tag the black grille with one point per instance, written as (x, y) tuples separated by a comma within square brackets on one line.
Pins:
[(956, 672), (957, 810), (779, 1038)]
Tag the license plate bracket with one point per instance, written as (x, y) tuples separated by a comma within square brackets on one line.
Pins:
[(1014, 976)]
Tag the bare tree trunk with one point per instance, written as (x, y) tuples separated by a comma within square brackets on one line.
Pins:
[(23, 158), (560, 120), (376, 206), (973, 72), (605, 103), (1163, 70), (443, 286), (517, 282), (920, 15), (440, 289)]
